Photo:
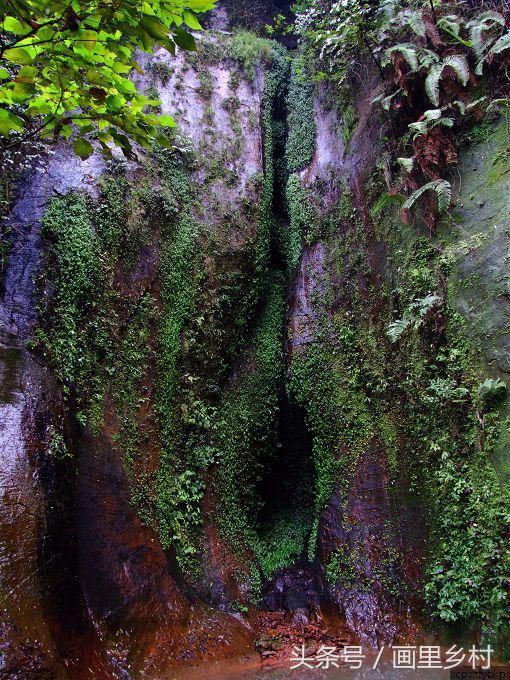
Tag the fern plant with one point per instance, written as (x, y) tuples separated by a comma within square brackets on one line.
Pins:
[(416, 57), (441, 187), (413, 316), (484, 23), (442, 390), (500, 46), (431, 119), (457, 62), (407, 50)]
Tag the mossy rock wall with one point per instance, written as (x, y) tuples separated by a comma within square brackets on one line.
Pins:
[(247, 279)]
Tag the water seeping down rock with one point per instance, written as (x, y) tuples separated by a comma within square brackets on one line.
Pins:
[(207, 434)]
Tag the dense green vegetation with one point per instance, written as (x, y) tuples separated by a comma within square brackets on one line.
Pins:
[(169, 314), (65, 64)]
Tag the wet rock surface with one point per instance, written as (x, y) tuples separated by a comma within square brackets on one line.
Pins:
[(89, 591), (359, 531), (297, 590), (25, 386), (478, 245), (125, 575)]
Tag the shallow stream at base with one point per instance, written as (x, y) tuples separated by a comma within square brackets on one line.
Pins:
[(252, 670)]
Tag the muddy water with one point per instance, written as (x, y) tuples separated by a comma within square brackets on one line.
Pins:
[(383, 671)]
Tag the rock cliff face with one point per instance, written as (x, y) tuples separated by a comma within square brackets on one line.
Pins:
[(206, 432)]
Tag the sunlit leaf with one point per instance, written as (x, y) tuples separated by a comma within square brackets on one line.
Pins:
[(12, 25), (18, 55), (191, 20), (166, 121), (9, 122)]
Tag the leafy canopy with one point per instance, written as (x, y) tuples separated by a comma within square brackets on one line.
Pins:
[(65, 65)]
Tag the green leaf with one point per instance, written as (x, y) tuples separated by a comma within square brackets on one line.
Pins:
[(123, 142), (154, 27), (87, 39), (9, 122), (83, 148), (38, 106), (121, 68), (18, 55), (22, 92), (4, 74), (125, 86), (168, 44), (166, 121), (12, 25), (184, 40), (26, 74), (191, 20), (115, 102)]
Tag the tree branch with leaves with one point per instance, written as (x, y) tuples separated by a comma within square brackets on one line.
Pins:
[(65, 67)]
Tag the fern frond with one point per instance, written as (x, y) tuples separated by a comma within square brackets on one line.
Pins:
[(458, 63), (385, 101), (432, 83), (501, 45), (443, 190), (418, 128), (397, 328), (441, 187), (421, 307), (490, 17), (407, 50), (406, 163), (414, 20), (427, 57), (432, 114), (476, 36), (413, 316), (384, 200), (450, 23), (484, 22), (497, 105)]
